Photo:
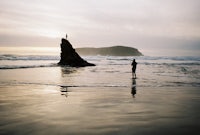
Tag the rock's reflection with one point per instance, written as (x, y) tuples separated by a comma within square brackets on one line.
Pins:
[(67, 70), (64, 91), (65, 73)]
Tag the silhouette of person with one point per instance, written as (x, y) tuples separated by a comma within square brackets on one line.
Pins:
[(134, 65), (66, 36)]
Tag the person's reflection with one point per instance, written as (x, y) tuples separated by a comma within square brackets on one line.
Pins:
[(133, 87)]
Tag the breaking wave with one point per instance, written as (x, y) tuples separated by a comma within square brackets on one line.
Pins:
[(28, 57), (25, 66)]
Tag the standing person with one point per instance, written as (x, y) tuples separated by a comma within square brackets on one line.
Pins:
[(134, 65)]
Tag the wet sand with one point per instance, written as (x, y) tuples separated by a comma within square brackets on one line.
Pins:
[(36, 109)]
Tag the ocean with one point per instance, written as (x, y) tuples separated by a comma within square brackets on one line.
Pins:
[(39, 97)]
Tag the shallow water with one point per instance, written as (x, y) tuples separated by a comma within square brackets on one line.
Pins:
[(38, 99)]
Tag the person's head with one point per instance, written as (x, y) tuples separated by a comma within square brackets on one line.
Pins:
[(133, 60)]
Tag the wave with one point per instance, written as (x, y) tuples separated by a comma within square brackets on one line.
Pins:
[(171, 64), (142, 85), (194, 84), (26, 66), (117, 58), (8, 61), (62, 85), (174, 58), (67, 86), (28, 57)]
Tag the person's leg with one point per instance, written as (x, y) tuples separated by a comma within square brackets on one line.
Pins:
[(134, 75)]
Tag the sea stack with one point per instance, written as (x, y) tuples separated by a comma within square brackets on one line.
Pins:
[(70, 57)]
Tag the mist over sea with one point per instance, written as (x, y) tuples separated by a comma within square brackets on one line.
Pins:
[(39, 97)]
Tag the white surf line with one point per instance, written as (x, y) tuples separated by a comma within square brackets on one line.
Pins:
[(92, 86), (60, 85)]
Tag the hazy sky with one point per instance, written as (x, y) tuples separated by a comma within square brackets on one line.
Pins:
[(152, 26)]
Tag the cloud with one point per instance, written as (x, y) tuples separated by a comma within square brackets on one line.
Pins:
[(102, 23)]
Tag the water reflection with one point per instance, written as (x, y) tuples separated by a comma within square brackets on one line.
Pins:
[(65, 73), (67, 70), (64, 91), (133, 87)]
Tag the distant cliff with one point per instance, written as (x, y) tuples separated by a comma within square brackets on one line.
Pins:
[(110, 51)]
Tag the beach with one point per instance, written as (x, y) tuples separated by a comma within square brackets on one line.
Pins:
[(39, 97), (109, 67)]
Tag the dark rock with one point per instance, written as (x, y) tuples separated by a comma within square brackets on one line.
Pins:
[(70, 57)]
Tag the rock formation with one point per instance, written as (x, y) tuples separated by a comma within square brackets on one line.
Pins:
[(70, 57), (110, 51)]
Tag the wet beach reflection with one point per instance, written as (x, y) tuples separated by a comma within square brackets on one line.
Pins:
[(133, 87)]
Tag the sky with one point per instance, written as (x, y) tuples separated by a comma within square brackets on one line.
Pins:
[(155, 27)]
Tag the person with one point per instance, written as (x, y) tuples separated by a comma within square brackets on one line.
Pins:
[(66, 36), (134, 64)]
